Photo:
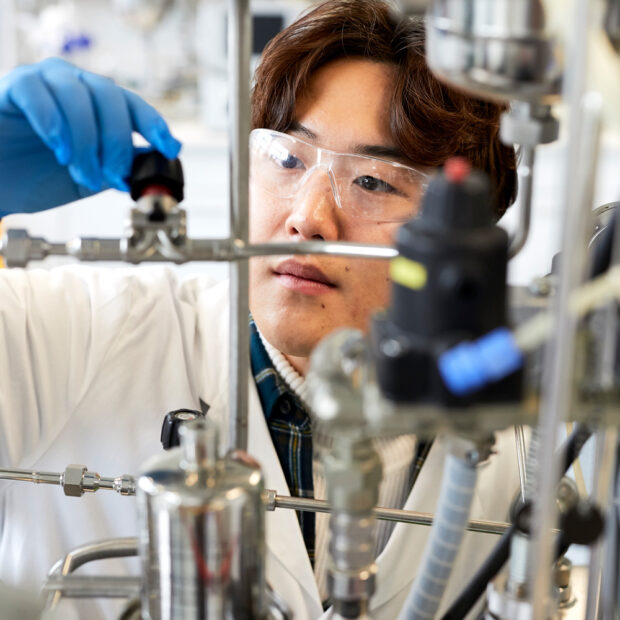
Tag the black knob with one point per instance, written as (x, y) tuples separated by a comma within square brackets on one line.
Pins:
[(583, 523), (172, 422), (153, 169)]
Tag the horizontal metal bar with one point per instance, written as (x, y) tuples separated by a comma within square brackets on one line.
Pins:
[(27, 475), (79, 586), (388, 514), (18, 248), (340, 248)]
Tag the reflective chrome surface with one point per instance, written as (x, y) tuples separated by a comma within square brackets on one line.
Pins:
[(202, 532), (494, 48)]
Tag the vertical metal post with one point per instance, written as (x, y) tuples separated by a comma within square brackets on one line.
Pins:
[(239, 52), (584, 123), (605, 467)]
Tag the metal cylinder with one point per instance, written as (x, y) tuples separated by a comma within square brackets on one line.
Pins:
[(202, 532), (494, 48)]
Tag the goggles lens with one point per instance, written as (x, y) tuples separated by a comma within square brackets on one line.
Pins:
[(365, 187)]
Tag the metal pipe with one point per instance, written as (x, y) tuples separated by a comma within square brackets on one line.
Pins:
[(112, 548), (342, 248), (526, 173), (221, 249), (27, 475), (603, 482), (521, 459), (239, 52), (387, 514), (94, 587), (584, 122)]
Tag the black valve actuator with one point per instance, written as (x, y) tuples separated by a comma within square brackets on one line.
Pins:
[(172, 422), (152, 169), (449, 286)]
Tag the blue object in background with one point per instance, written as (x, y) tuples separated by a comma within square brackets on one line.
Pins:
[(67, 134), (469, 366)]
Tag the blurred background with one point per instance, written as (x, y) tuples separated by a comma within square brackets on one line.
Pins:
[(173, 52)]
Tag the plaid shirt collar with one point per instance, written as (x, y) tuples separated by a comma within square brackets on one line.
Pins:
[(290, 429), (271, 387)]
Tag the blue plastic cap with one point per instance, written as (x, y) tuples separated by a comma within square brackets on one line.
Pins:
[(471, 365)]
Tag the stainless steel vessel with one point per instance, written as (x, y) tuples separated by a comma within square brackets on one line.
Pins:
[(494, 48), (202, 534)]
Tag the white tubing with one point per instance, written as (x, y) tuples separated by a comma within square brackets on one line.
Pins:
[(455, 499)]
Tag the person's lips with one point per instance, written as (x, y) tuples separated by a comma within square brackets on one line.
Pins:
[(301, 278)]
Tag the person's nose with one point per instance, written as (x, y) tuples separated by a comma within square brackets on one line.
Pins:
[(314, 211)]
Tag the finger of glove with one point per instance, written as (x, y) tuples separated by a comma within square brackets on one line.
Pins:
[(147, 121), (114, 128), (31, 96), (76, 105)]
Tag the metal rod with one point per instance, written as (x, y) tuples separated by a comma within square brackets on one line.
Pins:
[(219, 249), (102, 550), (521, 459), (27, 475), (603, 482), (75, 586), (526, 174), (342, 248), (388, 514), (584, 122), (239, 52), (105, 549)]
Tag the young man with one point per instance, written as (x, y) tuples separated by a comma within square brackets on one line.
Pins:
[(348, 122)]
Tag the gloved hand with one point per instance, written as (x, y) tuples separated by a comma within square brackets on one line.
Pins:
[(65, 134)]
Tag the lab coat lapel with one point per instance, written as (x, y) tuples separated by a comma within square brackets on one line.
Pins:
[(284, 539)]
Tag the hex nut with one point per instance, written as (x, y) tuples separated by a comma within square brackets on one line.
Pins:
[(72, 480), (353, 485), (16, 247)]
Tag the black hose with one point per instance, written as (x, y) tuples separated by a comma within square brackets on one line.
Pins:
[(500, 553)]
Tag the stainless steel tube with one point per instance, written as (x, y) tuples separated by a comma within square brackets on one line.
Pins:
[(27, 475), (239, 48), (94, 587), (112, 548), (526, 174), (521, 459), (584, 123), (388, 514), (342, 248), (603, 484)]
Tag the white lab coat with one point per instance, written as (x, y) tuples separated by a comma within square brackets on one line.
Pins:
[(92, 360)]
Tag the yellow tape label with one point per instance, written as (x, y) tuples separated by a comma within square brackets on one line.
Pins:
[(408, 273)]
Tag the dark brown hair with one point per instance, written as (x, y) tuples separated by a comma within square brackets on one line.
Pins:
[(429, 121)]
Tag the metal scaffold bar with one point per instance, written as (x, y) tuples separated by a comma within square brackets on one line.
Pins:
[(239, 48)]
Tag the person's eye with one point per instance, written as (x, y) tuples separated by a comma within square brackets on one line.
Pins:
[(373, 184), (287, 160)]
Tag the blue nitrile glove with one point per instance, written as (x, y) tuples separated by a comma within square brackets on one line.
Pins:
[(65, 134)]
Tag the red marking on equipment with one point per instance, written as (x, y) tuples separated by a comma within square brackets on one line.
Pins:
[(156, 189), (456, 169)]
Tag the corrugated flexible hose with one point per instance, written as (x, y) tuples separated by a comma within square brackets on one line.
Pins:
[(455, 499)]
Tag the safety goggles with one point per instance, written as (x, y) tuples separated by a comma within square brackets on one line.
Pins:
[(364, 187)]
